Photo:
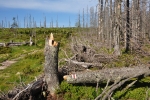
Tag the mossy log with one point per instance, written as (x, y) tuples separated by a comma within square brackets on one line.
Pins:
[(108, 74), (51, 64)]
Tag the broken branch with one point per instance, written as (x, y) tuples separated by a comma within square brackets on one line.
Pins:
[(84, 64)]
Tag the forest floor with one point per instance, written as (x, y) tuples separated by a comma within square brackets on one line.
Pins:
[(8, 63), (29, 62)]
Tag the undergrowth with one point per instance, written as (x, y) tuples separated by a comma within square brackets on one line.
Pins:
[(75, 92), (139, 93)]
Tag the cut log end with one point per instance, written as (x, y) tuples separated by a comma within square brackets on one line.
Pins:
[(51, 40), (65, 77)]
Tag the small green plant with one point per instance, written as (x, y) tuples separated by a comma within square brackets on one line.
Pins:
[(75, 92)]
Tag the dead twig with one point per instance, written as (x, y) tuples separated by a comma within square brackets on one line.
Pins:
[(129, 85), (105, 90), (84, 64), (118, 85), (30, 85)]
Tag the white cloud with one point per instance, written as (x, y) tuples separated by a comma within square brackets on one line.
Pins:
[(71, 6)]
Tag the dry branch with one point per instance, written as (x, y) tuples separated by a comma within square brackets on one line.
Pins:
[(115, 87), (13, 44), (15, 98), (32, 91), (84, 64)]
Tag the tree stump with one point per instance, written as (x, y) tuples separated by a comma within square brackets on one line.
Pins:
[(51, 64)]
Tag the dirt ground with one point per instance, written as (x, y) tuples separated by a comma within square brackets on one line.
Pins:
[(6, 64)]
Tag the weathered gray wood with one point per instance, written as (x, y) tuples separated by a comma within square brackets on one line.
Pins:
[(13, 44), (51, 64), (112, 74)]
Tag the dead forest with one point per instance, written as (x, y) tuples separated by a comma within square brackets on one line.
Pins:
[(120, 26), (104, 33)]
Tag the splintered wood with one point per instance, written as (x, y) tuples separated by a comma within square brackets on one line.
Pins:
[(51, 41)]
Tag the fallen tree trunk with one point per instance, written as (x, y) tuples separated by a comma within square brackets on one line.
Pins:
[(51, 64), (14, 44), (9, 44), (111, 74)]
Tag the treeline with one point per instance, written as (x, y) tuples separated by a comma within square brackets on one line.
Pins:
[(30, 22)]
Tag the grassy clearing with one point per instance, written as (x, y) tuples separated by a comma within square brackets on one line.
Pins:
[(29, 67), (31, 58), (32, 63)]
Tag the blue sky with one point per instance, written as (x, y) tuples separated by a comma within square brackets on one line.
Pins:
[(52, 9)]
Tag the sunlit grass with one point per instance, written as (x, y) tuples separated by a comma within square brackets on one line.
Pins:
[(30, 59), (31, 62), (28, 69)]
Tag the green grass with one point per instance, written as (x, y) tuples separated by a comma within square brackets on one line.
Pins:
[(75, 92), (138, 93), (29, 67), (32, 62)]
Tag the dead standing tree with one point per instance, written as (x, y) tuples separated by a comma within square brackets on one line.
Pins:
[(126, 24), (51, 64), (117, 29)]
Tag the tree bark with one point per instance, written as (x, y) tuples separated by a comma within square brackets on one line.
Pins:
[(117, 27), (111, 74), (51, 64), (128, 34)]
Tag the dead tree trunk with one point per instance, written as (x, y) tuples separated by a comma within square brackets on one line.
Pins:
[(51, 64), (117, 27), (104, 75), (128, 34)]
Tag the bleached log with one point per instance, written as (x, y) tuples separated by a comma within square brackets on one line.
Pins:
[(112, 74), (13, 44)]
